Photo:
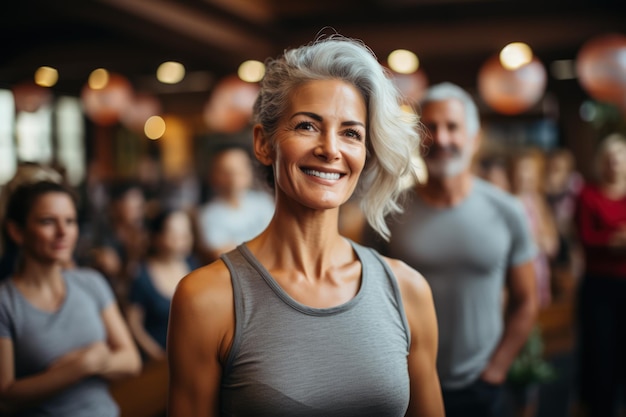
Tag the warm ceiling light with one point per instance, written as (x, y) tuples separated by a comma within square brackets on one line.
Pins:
[(251, 71), (154, 127), (98, 79), (515, 55), (403, 61), (171, 72), (46, 76)]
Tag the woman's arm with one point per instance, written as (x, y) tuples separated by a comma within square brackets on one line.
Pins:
[(200, 333), (135, 318), (66, 371), (426, 400), (123, 359)]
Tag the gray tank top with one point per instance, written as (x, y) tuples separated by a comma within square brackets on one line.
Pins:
[(289, 359)]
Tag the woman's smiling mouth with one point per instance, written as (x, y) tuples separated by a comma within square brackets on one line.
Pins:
[(324, 175)]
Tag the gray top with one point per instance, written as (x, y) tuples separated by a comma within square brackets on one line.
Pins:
[(39, 338), (289, 359), (464, 253)]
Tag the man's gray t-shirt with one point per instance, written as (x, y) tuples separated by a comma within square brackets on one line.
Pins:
[(40, 338), (464, 253)]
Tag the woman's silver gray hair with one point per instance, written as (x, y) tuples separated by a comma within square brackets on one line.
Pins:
[(392, 134), (449, 91)]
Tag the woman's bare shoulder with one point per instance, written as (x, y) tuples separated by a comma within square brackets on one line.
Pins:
[(412, 283), (207, 287)]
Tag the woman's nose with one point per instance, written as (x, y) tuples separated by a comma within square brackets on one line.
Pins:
[(328, 146)]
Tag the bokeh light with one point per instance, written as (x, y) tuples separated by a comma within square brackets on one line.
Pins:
[(46, 76), (403, 61), (154, 127), (251, 71), (170, 72), (98, 79), (515, 55)]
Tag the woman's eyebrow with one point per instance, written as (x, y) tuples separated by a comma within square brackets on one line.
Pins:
[(319, 118)]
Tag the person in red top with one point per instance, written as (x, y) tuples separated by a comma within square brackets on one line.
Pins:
[(601, 223)]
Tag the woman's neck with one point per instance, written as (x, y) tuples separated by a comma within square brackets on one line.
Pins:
[(38, 274), (615, 189), (307, 242)]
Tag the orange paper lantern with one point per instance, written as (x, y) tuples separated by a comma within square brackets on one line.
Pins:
[(141, 108), (601, 68), (412, 86), (511, 91), (29, 97), (229, 107), (105, 106)]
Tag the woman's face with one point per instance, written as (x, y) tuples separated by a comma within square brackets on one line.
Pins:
[(526, 176), (232, 173), (614, 161), (176, 236), (319, 148), (51, 230)]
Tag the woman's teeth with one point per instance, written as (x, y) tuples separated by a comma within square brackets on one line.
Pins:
[(323, 175)]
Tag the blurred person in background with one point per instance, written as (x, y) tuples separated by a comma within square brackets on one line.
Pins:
[(26, 173), (300, 321), (527, 176), (169, 259), (120, 241), (236, 212), (495, 169), (562, 186), (601, 223), (472, 242), (62, 336)]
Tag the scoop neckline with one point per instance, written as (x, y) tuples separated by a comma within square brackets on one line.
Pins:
[(293, 303)]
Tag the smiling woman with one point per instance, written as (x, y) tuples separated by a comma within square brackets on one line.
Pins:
[(300, 320), (319, 149)]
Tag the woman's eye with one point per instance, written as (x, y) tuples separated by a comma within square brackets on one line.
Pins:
[(304, 126), (354, 134)]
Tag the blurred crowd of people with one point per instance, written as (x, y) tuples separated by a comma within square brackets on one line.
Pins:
[(126, 245), (579, 226), (547, 183)]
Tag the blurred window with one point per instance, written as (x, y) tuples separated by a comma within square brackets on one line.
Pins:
[(34, 135), (8, 163), (70, 131)]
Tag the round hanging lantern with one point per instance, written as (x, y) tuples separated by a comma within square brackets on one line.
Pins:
[(511, 91), (601, 68), (29, 97), (105, 106), (229, 107), (412, 86), (141, 108)]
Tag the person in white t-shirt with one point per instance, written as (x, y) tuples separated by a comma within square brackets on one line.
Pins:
[(237, 212)]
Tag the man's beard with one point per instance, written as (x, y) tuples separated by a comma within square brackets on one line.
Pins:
[(452, 162)]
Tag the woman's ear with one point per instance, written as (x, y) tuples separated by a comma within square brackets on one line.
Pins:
[(263, 150), (15, 232)]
